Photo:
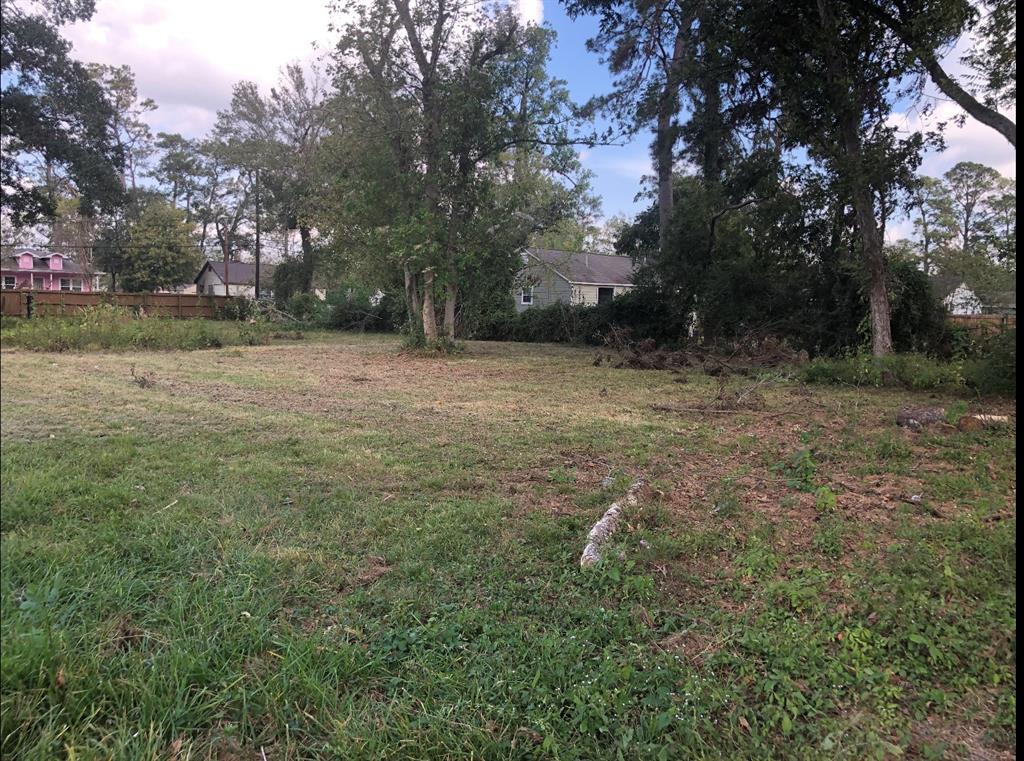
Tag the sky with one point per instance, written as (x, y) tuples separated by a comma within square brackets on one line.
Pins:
[(187, 54)]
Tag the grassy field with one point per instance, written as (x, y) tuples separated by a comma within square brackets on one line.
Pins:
[(329, 549)]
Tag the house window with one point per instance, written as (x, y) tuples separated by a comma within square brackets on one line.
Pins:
[(9, 283), (65, 284), (211, 290), (37, 283), (76, 285), (526, 295), (604, 295)]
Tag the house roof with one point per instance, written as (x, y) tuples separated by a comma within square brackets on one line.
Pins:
[(241, 273), (584, 268), (943, 286), (10, 262)]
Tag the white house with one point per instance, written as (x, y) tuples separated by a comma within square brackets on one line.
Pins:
[(211, 279), (572, 277), (962, 301)]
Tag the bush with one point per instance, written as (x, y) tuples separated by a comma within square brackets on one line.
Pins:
[(913, 371), (236, 308), (353, 309), (641, 311), (993, 367), (306, 307), (111, 328)]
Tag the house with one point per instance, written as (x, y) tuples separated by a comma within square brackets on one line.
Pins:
[(210, 279), (29, 268), (572, 277), (962, 300)]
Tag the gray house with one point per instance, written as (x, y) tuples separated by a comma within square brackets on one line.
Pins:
[(571, 277)]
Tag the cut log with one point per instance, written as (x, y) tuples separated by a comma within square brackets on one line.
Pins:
[(980, 422), (605, 527), (916, 417)]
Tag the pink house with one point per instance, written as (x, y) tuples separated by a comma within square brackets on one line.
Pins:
[(42, 271)]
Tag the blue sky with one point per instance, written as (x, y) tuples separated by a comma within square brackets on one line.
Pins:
[(618, 169), (184, 60)]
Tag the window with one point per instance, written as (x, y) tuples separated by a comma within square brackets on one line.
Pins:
[(76, 285), (9, 282), (37, 283), (65, 284), (526, 295), (604, 295), (211, 290)]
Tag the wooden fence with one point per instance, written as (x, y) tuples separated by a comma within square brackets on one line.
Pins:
[(985, 324), (47, 303)]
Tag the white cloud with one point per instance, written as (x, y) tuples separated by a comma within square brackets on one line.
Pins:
[(530, 11), (187, 54)]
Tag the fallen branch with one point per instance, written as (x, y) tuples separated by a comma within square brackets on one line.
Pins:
[(605, 527)]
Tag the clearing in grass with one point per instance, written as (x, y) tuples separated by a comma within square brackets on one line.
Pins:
[(332, 549)]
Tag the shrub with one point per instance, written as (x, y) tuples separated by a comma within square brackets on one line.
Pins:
[(640, 310), (355, 309), (236, 308), (110, 328), (306, 307), (993, 368), (913, 371)]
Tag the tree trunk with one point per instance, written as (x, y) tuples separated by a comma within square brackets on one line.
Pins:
[(451, 291), (429, 316), (412, 297), (849, 113), (307, 259), (871, 239), (664, 144)]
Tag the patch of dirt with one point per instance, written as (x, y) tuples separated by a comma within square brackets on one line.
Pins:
[(691, 646), (124, 636), (966, 741), (378, 566)]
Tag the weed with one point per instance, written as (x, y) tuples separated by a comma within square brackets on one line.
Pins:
[(825, 500), (800, 470)]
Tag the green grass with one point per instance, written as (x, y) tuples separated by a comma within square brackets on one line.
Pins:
[(107, 328), (334, 550)]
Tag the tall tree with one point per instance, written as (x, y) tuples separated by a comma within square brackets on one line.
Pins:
[(179, 170), (53, 116), (152, 251), (971, 185), (132, 134), (441, 131), (277, 139), (931, 209), (645, 46)]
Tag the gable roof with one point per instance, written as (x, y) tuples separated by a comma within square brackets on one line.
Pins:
[(584, 268), (69, 265), (241, 273)]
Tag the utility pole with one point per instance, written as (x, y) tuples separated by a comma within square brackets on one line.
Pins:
[(257, 234)]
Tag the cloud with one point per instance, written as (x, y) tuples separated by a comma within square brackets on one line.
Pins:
[(530, 11), (188, 54), (972, 142)]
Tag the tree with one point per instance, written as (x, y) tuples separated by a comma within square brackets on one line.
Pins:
[(131, 132), (971, 186), (927, 27), (645, 46), (54, 119), (278, 138), (931, 208), (451, 121), (179, 171), (151, 251), (994, 56)]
